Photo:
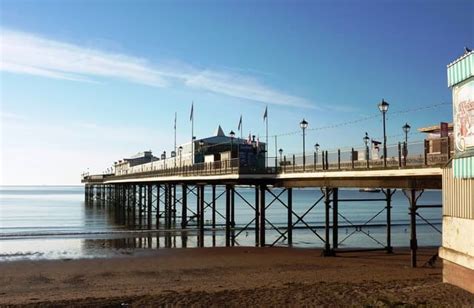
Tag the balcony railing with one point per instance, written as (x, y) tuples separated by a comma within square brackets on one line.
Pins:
[(399, 156)]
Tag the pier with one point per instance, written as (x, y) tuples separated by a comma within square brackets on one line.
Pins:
[(150, 199)]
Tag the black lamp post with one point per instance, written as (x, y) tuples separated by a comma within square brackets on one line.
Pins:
[(406, 130), (180, 151), (304, 125), (232, 135), (383, 107), (366, 141), (316, 150), (281, 155)]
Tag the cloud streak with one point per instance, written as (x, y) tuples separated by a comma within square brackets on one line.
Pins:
[(25, 53)]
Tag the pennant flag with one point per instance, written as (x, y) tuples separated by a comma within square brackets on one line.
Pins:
[(265, 115), (240, 123), (192, 112)]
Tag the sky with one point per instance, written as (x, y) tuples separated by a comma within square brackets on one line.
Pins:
[(86, 83)]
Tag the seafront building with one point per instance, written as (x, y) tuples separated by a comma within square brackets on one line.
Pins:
[(216, 151), (457, 249)]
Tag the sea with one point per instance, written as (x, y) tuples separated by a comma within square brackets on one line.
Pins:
[(55, 222)]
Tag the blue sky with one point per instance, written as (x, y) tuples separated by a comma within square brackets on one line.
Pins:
[(84, 83)]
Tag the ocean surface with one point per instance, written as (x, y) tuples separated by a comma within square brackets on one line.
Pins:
[(54, 222)]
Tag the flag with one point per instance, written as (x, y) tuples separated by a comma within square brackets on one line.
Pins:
[(192, 112), (175, 120), (240, 123), (265, 115)]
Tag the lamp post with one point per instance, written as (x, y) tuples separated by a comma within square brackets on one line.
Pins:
[(406, 130), (304, 125), (316, 150), (180, 151), (232, 135), (281, 155), (383, 107), (366, 141)]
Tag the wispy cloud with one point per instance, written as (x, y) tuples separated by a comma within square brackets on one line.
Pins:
[(12, 116), (26, 53)]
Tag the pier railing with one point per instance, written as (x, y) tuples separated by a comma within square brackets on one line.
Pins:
[(417, 154)]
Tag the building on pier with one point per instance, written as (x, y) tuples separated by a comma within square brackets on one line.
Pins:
[(122, 166), (457, 249), (218, 149), (439, 139)]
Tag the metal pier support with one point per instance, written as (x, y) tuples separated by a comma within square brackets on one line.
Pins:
[(158, 197), (232, 213), (150, 204), (388, 194), (184, 206), (227, 215), (257, 216), (290, 216), (412, 196), (262, 204), (213, 206), (327, 226), (335, 220), (200, 198)]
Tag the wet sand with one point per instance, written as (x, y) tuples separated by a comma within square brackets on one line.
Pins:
[(230, 277)]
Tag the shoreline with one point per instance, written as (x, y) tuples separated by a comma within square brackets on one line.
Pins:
[(231, 277)]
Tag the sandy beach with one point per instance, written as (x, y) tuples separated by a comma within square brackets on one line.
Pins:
[(230, 277)]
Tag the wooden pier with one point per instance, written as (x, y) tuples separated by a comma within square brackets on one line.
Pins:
[(151, 199)]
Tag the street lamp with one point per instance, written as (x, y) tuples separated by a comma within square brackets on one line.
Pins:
[(281, 155), (232, 135), (316, 150), (366, 141), (383, 107), (406, 130), (180, 151), (304, 125)]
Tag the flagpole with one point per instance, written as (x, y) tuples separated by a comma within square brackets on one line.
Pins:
[(276, 151), (266, 140), (175, 152), (192, 133)]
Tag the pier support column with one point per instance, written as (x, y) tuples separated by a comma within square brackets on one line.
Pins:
[(140, 204), (290, 216), (158, 214), (327, 202), (184, 208), (257, 216), (335, 218), (232, 213), (388, 195), (123, 204), (201, 215), (168, 206), (150, 203), (213, 206), (174, 204), (227, 215), (263, 189), (412, 199)]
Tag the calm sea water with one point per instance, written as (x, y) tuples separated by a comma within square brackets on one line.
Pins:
[(53, 222)]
